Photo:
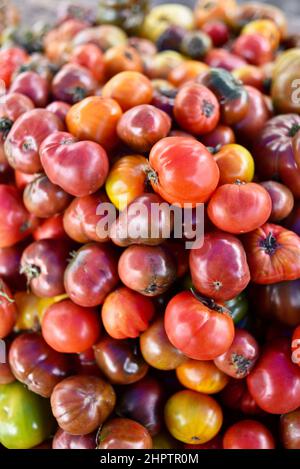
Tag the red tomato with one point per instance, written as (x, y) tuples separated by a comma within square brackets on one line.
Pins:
[(236, 396), (126, 313), (32, 85), (69, 328), (90, 57), (73, 83), (22, 179), (15, 222), (222, 58), (207, 267), (254, 48), (80, 168), (248, 434), (183, 170), (8, 310), (275, 381), (201, 332), (60, 109), (196, 109), (218, 32), (52, 228), (240, 207), (273, 254), (10, 60)]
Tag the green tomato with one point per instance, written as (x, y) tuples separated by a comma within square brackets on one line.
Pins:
[(239, 307), (25, 418)]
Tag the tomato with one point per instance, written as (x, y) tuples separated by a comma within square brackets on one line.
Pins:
[(290, 430), (162, 16), (274, 376), (217, 31), (59, 108), (265, 28), (73, 83), (282, 200), (157, 350), (273, 254), (127, 180), (192, 417), (238, 307), (178, 166), (201, 376), (33, 86), (222, 135), (222, 58), (124, 434), (23, 179), (103, 36), (120, 88), (57, 41), (251, 75), (16, 223), (122, 58), (241, 357), (10, 60), (61, 156), (214, 10), (235, 163), (254, 47), (195, 44), (8, 310), (126, 314), (69, 328), (95, 118), (201, 332), (24, 140), (236, 397), (186, 71), (81, 404), (142, 126), (240, 207), (90, 57), (64, 440), (196, 109), (51, 228), (292, 222), (149, 270), (207, 267), (80, 220), (248, 434)]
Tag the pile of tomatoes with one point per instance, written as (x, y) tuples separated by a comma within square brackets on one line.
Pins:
[(120, 342)]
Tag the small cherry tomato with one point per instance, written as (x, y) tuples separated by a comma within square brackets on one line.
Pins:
[(248, 434), (201, 376), (235, 163)]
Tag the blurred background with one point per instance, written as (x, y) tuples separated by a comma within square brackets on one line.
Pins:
[(33, 10)]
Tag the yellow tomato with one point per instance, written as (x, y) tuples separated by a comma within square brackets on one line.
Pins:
[(127, 180), (31, 309), (201, 376), (192, 417), (235, 163), (266, 28)]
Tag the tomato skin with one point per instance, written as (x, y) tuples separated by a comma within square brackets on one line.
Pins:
[(8, 310), (248, 434), (33, 86), (222, 135), (64, 440), (61, 156), (95, 118), (11, 59), (276, 375), (239, 208), (201, 376), (235, 163), (24, 140), (59, 108), (186, 71), (51, 228), (282, 200), (241, 357), (179, 165), (69, 328), (120, 433), (196, 330), (73, 83), (126, 314), (207, 267), (254, 48), (251, 75), (290, 430), (16, 223), (90, 57), (192, 417), (273, 254), (122, 58)]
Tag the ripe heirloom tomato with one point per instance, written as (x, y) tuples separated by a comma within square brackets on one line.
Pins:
[(142, 126), (182, 170), (290, 430), (122, 58), (265, 28), (23, 141), (70, 328), (282, 200), (201, 376), (95, 118), (78, 167), (73, 83), (8, 310), (127, 180), (241, 357), (126, 313), (275, 376), (186, 71), (161, 64), (273, 254), (90, 57), (222, 135), (196, 109), (121, 87), (200, 332), (235, 163), (81, 404), (91, 275), (44, 199), (10, 267), (51, 228), (223, 59), (37, 365), (80, 219), (10, 60), (237, 397), (251, 75), (207, 267), (157, 350), (60, 109), (218, 31), (124, 434), (255, 48), (214, 10), (257, 11), (240, 207), (192, 417), (15, 222), (64, 440), (248, 434), (32, 85)]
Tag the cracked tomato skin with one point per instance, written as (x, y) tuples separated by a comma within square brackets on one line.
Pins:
[(273, 254), (196, 330), (207, 267), (183, 171), (275, 381)]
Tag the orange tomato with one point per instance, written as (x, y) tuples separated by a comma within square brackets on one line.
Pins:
[(201, 376), (120, 59), (210, 10), (235, 163), (186, 71), (251, 75)]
